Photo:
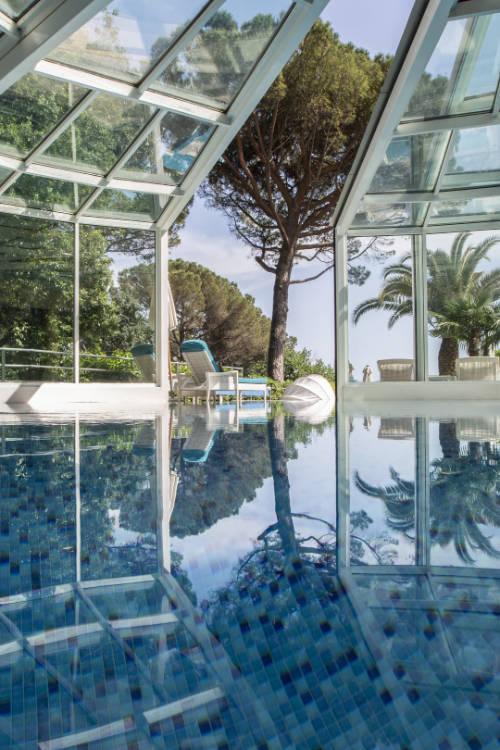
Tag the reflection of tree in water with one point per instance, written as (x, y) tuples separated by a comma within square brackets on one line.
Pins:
[(464, 489), (237, 465)]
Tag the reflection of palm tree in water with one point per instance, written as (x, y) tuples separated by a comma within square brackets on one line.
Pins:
[(464, 487)]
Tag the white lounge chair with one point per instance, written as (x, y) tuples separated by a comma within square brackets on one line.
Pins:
[(477, 368), (207, 379), (395, 369)]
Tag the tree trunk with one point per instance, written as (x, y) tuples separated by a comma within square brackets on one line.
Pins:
[(277, 338), (450, 445), (448, 353), (473, 343), (276, 435)]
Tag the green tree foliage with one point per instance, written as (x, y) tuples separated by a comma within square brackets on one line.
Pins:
[(212, 308), (463, 302), (280, 179)]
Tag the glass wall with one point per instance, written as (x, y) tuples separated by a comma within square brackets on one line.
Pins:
[(117, 305), (38, 309), (463, 296), (382, 490), (380, 277), (36, 305)]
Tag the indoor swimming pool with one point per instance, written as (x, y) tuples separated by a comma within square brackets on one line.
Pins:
[(222, 578)]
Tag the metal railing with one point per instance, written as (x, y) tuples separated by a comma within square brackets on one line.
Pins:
[(5, 366)]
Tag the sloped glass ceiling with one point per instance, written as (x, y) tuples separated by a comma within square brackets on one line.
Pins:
[(15, 8), (132, 98), (447, 140), (220, 57), (31, 109), (124, 43)]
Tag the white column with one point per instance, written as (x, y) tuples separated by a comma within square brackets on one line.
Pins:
[(341, 314), (161, 317), (420, 305), (76, 303), (343, 489)]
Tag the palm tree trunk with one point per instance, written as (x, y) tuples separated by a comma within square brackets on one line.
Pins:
[(450, 444), (473, 343), (448, 353)]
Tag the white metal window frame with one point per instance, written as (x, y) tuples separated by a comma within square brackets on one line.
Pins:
[(424, 28)]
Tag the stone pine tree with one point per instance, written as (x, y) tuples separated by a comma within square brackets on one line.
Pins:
[(280, 179)]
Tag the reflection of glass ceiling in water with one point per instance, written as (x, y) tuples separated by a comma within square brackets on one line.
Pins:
[(118, 110), (441, 167)]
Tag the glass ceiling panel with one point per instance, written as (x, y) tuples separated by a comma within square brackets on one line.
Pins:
[(218, 60), (125, 39), (463, 210), (170, 149), (98, 137), (475, 158), (15, 8), (121, 204), (394, 214), (40, 192), (462, 74), (411, 163), (30, 110)]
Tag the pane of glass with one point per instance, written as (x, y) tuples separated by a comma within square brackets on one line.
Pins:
[(459, 210), (475, 159), (124, 40), (15, 8), (97, 138), (36, 307), (396, 214), (40, 192), (411, 163), (217, 62), (170, 149), (380, 309), (463, 71), (126, 204), (30, 110), (464, 475), (119, 511), (382, 491), (117, 305), (462, 302)]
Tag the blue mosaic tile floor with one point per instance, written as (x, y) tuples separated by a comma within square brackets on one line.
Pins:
[(237, 630)]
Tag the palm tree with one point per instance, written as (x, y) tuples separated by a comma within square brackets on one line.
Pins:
[(464, 487), (463, 303)]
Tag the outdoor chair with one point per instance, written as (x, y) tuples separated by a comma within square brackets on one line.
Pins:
[(477, 368), (396, 428), (395, 369), (207, 379)]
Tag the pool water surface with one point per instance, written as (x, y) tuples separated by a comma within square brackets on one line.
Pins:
[(221, 578)]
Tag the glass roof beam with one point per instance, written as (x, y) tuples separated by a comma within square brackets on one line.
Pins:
[(127, 91), (9, 27), (475, 8), (487, 191), (454, 225), (84, 178), (442, 171), (65, 216), (41, 33), (287, 39), (419, 41), (187, 36), (419, 127)]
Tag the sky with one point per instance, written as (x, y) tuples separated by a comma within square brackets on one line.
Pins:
[(206, 238)]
